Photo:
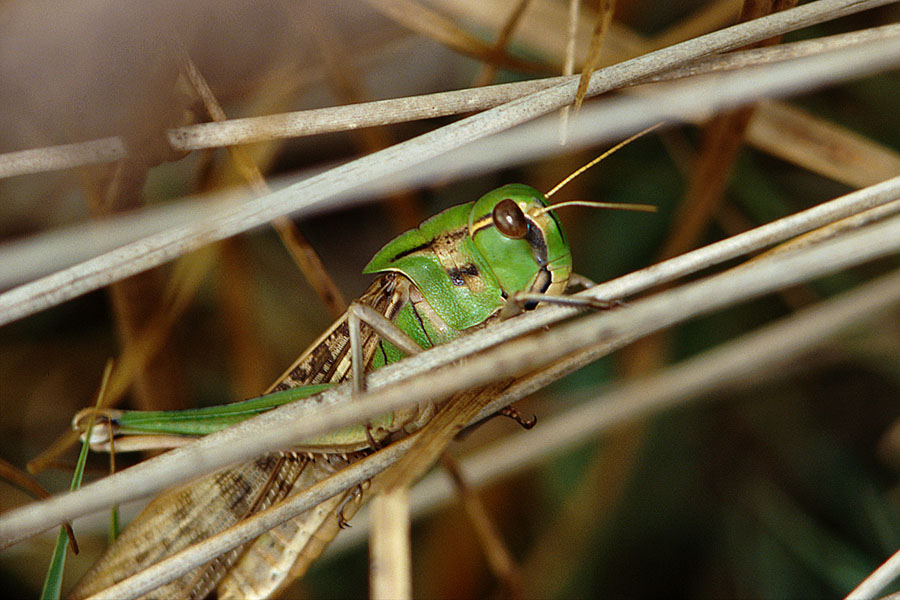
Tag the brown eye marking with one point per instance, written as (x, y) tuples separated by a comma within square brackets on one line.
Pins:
[(509, 219)]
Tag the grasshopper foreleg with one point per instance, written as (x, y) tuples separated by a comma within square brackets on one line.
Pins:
[(521, 301), (360, 313), (579, 281)]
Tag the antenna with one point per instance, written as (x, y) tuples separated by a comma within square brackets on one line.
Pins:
[(591, 203), (581, 170)]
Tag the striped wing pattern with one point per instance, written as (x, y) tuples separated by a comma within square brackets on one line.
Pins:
[(278, 557), (178, 518)]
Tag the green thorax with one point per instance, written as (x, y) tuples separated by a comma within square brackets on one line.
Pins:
[(465, 267), (440, 258)]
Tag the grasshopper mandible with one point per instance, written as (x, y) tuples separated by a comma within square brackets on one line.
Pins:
[(451, 275)]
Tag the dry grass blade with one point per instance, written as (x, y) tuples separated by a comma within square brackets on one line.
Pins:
[(548, 571), (182, 562), (455, 415), (771, 234), (723, 137), (760, 385), (544, 16), (749, 360), (874, 585), (604, 18), (381, 112), (620, 116), (390, 569), (569, 61), (181, 290), (390, 389), (21, 479), (64, 156), (489, 71), (765, 55), (390, 555), (158, 382), (665, 309), (667, 388), (49, 457), (832, 230), (571, 36), (709, 17), (350, 87), (821, 146), (497, 555), (431, 24), (304, 255)]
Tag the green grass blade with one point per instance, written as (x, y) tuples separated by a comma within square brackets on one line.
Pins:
[(114, 525), (53, 581)]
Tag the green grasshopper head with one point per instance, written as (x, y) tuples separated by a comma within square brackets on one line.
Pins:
[(522, 242)]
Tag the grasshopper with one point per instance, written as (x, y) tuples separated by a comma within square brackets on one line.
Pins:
[(453, 274)]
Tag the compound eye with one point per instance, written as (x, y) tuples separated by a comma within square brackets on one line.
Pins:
[(510, 220)]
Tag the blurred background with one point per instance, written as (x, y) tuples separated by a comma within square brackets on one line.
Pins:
[(785, 488)]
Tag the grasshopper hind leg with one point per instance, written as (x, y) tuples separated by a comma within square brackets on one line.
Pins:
[(513, 413), (355, 495)]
